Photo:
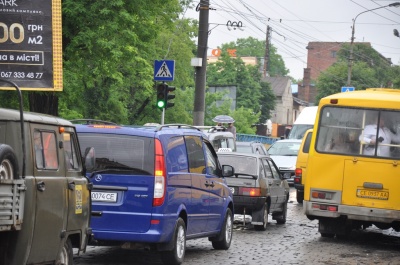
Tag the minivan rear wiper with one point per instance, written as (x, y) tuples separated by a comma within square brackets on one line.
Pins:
[(247, 175), (120, 170)]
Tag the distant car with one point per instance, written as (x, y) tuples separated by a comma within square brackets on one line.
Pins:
[(251, 147), (258, 188), (221, 139), (284, 153)]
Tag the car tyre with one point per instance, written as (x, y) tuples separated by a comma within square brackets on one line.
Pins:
[(282, 217), (299, 196), (66, 255), (176, 255), (263, 227), (327, 235), (8, 163), (224, 240)]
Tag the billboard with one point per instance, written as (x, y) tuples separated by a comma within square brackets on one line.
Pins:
[(31, 44)]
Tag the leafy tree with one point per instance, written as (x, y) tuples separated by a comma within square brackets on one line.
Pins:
[(253, 47), (109, 50), (244, 120), (252, 94), (267, 101), (330, 81), (369, 69), (233, 71)]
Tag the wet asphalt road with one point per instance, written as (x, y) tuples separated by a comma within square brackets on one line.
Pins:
[(296, 242)]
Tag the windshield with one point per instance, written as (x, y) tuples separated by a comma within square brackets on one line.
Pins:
[(298, 130), (244, 149), (241, 164), (121, 152), (284, 148)]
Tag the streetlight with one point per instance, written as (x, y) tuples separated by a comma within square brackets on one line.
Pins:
[(396, 33), (352, 38)]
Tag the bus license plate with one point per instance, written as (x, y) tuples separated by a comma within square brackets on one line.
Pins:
[(373, 194), (104, 196)]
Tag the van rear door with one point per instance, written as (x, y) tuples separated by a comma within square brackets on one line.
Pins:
[(123, 182), (366, 183)]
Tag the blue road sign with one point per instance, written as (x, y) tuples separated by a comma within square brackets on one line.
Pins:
[(347, 88), (164, 70)]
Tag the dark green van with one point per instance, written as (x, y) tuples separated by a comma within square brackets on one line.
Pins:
[(44, 194)]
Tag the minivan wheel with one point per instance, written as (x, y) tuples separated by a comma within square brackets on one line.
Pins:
[(176, 255), (226, 233), (66, 254), (8, 163), (263, 227)]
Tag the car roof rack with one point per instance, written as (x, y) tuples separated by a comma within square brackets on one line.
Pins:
[(92, 121), (217, 129), (178, 125)]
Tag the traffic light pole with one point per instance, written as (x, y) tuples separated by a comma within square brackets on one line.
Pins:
[(162, 116)]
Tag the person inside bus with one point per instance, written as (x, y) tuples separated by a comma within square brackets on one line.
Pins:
[(385, 137), (337, 144)]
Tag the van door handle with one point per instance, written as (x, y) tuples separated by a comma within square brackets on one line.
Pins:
[(71, 185), (210, 185), (97, 213), (41, 186)]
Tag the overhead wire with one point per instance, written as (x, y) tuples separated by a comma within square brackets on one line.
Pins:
[(253, 14)]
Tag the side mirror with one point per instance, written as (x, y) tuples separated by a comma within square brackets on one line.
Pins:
[(227, 171), (90, 158)]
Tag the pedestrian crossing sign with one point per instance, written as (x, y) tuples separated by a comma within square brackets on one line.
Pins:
[(347, 89), (164, 70)]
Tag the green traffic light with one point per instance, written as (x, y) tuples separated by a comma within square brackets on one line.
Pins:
[(161, 104), (161, 88)]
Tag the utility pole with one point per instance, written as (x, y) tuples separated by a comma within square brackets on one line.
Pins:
[(266, 56), (200, 84)]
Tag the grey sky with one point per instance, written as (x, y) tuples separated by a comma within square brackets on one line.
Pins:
[(297, 22)]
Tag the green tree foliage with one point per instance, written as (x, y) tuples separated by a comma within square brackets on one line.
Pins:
[(232, 71), (267, 101), (245, 119), (109, 51), (251, 93), (369, 69), (256, 48)]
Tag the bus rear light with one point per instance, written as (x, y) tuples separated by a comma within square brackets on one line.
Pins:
[(321, 195), (324, 207), (298, 172), (297, 180), (332, 208), (249, 191)]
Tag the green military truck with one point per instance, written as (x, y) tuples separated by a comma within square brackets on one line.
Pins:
[(44, 194)]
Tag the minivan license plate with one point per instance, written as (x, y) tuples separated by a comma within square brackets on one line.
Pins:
[(373, 194), (104, 196)]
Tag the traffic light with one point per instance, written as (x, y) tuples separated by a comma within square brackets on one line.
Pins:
[(161, 95), (169, 96)]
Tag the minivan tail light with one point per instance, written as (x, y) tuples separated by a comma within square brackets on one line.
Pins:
[(160, 174)]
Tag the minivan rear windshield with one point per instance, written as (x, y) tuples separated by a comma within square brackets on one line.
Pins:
[(120, 152)]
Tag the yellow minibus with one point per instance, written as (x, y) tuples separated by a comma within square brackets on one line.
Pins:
[(353, 169)]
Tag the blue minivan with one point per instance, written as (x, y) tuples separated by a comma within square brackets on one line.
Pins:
[(157, 187)]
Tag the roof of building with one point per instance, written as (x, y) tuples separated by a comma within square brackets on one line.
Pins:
[(278, 84)]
